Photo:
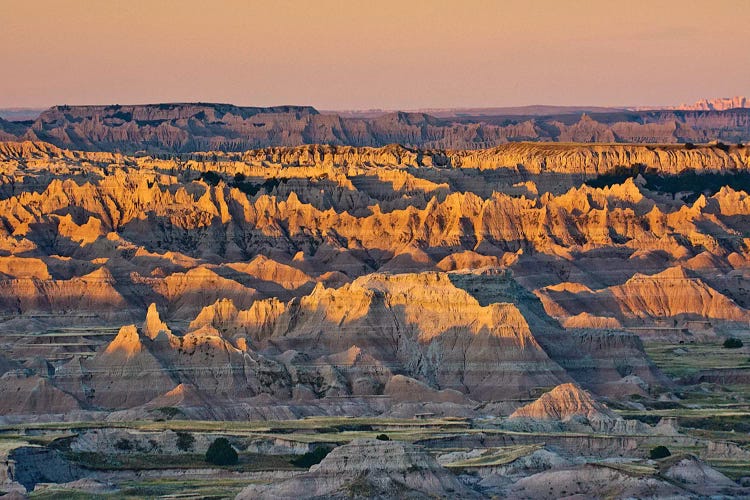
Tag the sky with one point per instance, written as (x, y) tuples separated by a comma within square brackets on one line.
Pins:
[(384, 54)]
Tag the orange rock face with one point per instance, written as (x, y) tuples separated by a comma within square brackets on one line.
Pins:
[(299, 276), (563, 402)]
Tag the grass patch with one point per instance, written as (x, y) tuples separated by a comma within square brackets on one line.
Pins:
[(682, 360)]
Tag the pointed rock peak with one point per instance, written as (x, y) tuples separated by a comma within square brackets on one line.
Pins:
[(671, 273), (293, 199), (180, 390), (655, 212), (432, 204), (127, 342), (153, 323), (260, 259), (101, 275), (201, 272), (181, 395), (206, 331), (350, 357), (218, 314), (676, 273), (700, 203), (563, 402), (628, 191), (319, 288)]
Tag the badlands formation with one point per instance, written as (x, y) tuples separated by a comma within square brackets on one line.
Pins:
[(193, 127), (528, 320)]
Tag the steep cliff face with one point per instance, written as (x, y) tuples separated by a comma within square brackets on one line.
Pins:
[(203, 127)]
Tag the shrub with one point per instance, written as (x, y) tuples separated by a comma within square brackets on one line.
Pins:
[(659, 452), (383, 437), (170, 411), (221, 453), (185, 441), (211, 178), (732, 343), (689, 145), (124, 444), (311, 457)]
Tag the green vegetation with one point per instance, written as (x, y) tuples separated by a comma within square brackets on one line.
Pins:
[(382, 437), (124, 445), (678, 360), (252, 188), (220, 452), (154, 488), (497, 456), (169, 411), (185, 441), (732, 343), (688, 181), (659, 452), (211, 178), (697, 422), (312, 457), (721, 423)]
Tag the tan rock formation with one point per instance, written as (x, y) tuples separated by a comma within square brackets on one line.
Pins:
[(562, 403)]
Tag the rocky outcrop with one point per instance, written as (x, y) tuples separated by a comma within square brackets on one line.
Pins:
[(563, 402), (718, 104), (401, 321), (30, 465), (369, 468), (589, 481), (672, 293)]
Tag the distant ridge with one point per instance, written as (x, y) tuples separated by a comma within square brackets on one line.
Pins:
[(710, 104), (718, 104), (189, 127)]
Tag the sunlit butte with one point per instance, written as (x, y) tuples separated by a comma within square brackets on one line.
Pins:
[(388, 54)]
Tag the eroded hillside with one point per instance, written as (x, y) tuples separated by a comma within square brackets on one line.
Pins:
[(295, 281)]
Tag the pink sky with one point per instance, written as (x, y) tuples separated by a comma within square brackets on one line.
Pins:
[(373, 54)]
